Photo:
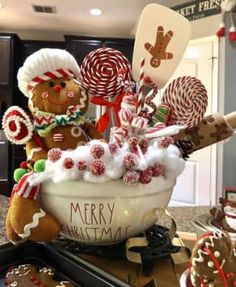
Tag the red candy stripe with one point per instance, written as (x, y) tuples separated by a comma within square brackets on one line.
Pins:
[(187, 98), (100, 72)]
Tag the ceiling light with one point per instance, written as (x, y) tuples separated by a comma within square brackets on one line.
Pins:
[(1, 5), (95, 12)]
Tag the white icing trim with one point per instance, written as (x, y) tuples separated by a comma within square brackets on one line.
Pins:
[(83, 99), (46, 270), (33, 151), (73, 131), (62, 284), (216, 235), (33, 224)]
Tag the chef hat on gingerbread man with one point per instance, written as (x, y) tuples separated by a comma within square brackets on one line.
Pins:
[(44, 65)]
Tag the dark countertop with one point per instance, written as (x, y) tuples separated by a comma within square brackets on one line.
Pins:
[(183, 217)]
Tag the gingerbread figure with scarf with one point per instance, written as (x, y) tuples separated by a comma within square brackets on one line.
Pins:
[(57, 102)]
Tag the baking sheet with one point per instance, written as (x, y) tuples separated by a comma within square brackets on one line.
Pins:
[(79, 272)]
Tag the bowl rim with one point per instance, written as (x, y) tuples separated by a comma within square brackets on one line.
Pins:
[(110, 189)]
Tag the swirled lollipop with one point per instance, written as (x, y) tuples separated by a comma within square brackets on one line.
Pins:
[(187, 99), (100, 72)]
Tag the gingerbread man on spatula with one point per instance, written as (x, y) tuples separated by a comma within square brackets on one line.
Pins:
[(158, 51)]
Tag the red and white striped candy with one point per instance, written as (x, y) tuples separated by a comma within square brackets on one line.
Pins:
[(139, 122), (125, 117), (118, 135), (100, 72), (187, 98), (129, 103), (25, 189)]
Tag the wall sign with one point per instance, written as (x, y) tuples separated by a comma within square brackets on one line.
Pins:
[(198, 9)]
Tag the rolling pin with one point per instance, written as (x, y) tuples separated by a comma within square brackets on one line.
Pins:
[(212, 129)]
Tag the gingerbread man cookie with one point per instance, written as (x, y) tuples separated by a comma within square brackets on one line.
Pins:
[(27, 275), (213, 263)]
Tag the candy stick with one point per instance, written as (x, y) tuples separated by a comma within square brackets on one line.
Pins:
[(112, 115), (142, 161), (135, 148), (141, 85)]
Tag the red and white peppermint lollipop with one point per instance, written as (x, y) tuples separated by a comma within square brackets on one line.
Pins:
[(187, 98), (100, 72)]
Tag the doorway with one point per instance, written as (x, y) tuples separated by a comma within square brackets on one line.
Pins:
[(197, 185)]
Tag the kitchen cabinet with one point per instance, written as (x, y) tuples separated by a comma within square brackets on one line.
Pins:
[(5, 56), (80, 46), (11, 59), (31, 46)]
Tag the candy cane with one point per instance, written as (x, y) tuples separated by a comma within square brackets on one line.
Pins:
[(149, 99), (141, 85), (142, 165)]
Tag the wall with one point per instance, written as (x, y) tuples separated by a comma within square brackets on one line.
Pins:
[(205, 27), (38, 35), (200, 28), (227, 81)]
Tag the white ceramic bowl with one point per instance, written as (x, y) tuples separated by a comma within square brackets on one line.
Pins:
[(105, 213)]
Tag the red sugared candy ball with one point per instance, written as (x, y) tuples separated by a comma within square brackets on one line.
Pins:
[(145, 176), (129, 161), (97, 167), (97, 151), (131, 177), (158, 170), (81, 165), (54, 154), (68, 163)]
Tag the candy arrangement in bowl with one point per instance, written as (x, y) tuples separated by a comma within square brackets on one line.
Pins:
[(92, 189)]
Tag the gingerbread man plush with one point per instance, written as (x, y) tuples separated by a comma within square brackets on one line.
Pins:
[(57, 103)]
